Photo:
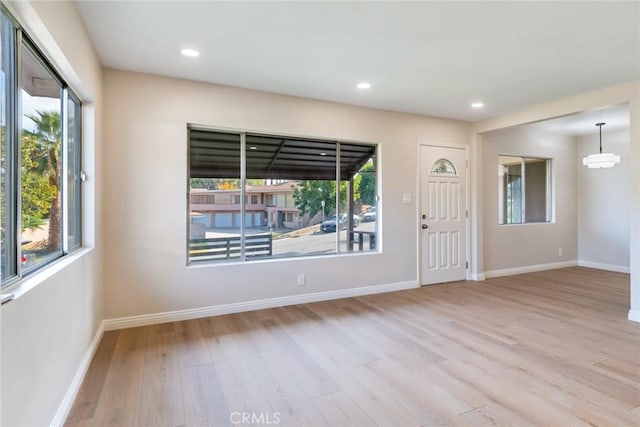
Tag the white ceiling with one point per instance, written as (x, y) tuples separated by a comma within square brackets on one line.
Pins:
[(429, 58), (616, 117)]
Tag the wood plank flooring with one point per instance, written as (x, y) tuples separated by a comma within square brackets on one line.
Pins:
[(553, 348)]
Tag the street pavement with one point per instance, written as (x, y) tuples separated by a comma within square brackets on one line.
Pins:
[(317, 243)]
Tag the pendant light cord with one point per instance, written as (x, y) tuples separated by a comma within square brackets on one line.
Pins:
[(600, 139), (600, 126)]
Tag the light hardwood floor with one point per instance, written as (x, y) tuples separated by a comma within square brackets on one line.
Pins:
[(552, 348)]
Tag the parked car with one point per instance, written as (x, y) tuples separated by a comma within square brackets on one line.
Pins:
[(329, 226), (28, 258), (369, 215)]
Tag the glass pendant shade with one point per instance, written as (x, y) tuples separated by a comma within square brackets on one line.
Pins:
[(601, 160)]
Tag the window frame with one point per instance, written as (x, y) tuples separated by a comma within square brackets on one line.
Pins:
[(243, 145), (549, 193), (25, 43), (78, 151), (14, 109), (12, 134)]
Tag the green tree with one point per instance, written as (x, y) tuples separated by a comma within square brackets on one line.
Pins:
[(309, 194), (366, 186), (222, 183), (256, 182), (210, 183), (46, 162), (37, 193)]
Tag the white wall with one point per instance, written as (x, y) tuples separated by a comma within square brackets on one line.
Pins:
[(47, 330), (523, 245), (604, 203), (146, 179)]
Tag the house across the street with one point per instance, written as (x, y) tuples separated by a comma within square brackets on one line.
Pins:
[(266, 205)]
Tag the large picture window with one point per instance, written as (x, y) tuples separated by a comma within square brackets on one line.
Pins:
[(524, 190), (256, 196), (41, 140)]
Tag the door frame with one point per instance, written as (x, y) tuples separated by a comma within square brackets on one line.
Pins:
[(467, 184)]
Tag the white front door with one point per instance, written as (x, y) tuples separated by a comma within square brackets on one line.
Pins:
[(443, 234)]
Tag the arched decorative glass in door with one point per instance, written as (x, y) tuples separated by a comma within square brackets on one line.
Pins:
[(443, 167)]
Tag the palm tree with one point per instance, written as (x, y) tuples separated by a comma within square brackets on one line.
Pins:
[(48, 134)]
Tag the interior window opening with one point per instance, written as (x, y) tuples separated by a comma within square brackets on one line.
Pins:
[(524, 190)]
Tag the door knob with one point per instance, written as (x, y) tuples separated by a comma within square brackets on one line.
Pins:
[(425, 226)]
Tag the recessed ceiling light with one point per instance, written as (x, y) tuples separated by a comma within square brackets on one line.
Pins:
[(477, 104), (192, 53), (363, 85)]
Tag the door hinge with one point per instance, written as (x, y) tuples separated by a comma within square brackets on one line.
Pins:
[(466, 214), (467, 163), (466, 265)]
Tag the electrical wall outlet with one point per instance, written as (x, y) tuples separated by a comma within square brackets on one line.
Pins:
[(302, 280), (559, 251)]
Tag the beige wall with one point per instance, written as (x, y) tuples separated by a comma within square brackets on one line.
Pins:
[(146, 167), (46, 331), (604, 202), (624, 93), (523, 245)]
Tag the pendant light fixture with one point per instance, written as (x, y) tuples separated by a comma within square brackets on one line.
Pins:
[(601, 160)]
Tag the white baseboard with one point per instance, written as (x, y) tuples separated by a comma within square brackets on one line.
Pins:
[(529, 269), (608, 267), (72, 391), (634, 315), (217, 310), (477, 277)]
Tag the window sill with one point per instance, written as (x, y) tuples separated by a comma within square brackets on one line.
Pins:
[(26, 284), (527, 223)]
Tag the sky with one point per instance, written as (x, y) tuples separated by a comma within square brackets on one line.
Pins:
[(31, 104)]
